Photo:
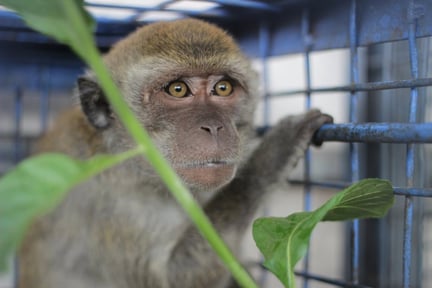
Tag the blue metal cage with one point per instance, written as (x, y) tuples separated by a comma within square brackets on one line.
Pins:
[(264, 29)]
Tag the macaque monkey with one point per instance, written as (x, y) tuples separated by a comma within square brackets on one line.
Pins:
[(194, 91)]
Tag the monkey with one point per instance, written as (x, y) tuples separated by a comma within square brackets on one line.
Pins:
[(195, 92)]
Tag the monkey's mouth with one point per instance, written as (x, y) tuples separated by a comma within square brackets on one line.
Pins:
[(213, 173), (207, 164)]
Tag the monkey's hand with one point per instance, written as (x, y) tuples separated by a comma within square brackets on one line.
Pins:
[(283, 146)]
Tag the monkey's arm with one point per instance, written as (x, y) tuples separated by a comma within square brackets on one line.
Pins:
[(278, 153), (232, 209)]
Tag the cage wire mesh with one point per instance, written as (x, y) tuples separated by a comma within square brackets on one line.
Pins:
[(382, 109)]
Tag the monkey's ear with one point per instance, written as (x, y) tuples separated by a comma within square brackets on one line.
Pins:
[(93, 103)]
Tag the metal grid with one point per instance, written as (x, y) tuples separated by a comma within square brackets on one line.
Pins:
[(354, 132), (280, 29), (394, 133)]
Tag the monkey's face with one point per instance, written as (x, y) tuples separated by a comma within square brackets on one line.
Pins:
[(190, 87), (196, 129)]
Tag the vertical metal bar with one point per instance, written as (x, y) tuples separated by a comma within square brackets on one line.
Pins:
[(354, 75), (307, 41), (16, 273), (44, 98), (413, 60), (264, 40), (354, 152), (410, 159), (17, 156), (17, 124)]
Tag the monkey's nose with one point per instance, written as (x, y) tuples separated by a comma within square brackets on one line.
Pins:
[(212, 129)]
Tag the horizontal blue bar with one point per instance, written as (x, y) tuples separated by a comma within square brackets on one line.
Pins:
[(376, 133), (329, 281), (412, 191), (259, 5), (371, 86), (419, 192)]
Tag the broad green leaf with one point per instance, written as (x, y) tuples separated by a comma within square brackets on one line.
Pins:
[(36, 185), (54, 18), (284, 241)]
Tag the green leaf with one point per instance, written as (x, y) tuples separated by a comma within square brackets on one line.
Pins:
[(37, 185), (54, 18), (284, 241)]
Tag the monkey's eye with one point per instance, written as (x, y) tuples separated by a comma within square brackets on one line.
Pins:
[(223, 88), (177, 89)]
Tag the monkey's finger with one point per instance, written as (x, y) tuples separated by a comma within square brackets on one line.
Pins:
[(322, 120)]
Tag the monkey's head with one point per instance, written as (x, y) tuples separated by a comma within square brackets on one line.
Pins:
[(191, 88)]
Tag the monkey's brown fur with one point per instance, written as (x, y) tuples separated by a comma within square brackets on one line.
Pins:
[(122, 228), (83, 143)]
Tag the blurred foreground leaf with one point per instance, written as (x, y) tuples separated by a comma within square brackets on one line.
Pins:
[(38, 184), (284, 241)]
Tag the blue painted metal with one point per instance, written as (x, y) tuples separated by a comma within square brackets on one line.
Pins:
[(330, 185), (307, 167), (381, 21), (327, 280), (44, 106), (354, 79), (264, 38), (410, 162), (18, 117), (376, 132), (259, 5), (407, 241), (263, 47), (404, 191), (371, 86), (17, 157), (417, 192), (354, 152)]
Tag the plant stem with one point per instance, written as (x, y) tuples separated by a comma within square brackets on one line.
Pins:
[(170, 178)]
